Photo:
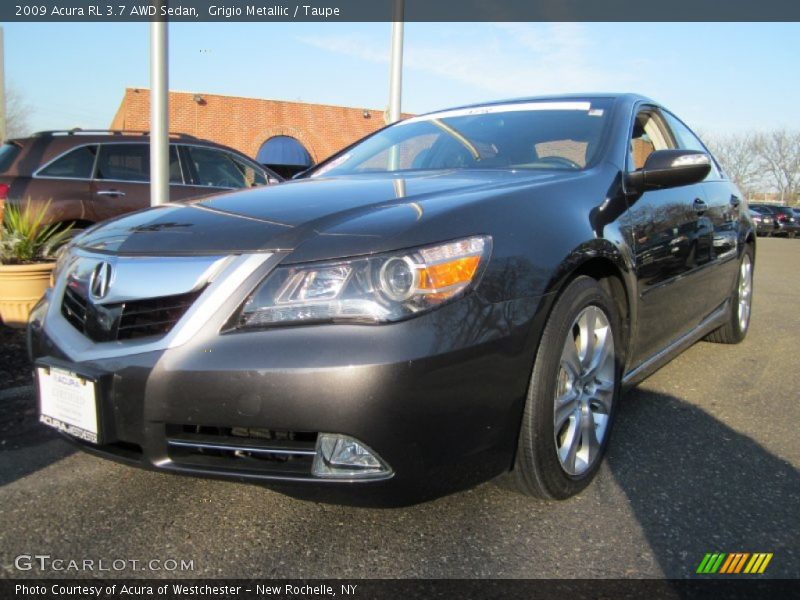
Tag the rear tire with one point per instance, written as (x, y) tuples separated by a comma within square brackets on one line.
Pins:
[(572, 396), (735, 330)]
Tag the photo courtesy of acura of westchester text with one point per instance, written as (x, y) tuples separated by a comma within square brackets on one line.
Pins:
[(402, 299)]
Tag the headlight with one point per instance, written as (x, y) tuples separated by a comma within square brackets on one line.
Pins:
[(374, 289)]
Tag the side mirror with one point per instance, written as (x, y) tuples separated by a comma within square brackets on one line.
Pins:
[(668, 169)]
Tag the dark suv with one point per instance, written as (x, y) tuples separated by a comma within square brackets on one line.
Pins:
[(90, 176)]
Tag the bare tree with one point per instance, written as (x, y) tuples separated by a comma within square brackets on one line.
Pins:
[(779, 154), (18, 113), (738, 155)]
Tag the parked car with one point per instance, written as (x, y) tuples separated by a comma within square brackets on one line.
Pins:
[(89, 176), (787, 223), (460, 295), (765, 222)]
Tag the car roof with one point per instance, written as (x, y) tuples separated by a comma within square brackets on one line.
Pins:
[(44, 146)]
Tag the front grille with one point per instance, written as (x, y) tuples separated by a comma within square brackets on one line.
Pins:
[(155, 316), (126, 320), (263, 451), (73, 308)]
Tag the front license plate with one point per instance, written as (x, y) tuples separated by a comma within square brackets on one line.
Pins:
[(68, 402)]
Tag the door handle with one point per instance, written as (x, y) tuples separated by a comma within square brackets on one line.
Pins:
[(736, 201), (110, 193), (699, 206)]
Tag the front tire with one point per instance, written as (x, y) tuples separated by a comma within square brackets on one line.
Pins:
[(572, 396), (735, 330)]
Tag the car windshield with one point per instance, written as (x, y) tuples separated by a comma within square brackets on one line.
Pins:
[(561, 135)]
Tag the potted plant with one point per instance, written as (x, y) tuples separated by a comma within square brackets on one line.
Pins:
[(27, 256)]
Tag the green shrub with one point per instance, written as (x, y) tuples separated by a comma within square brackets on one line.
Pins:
[(25, 239)]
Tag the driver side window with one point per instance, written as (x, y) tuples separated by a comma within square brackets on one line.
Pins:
[(649, 134)]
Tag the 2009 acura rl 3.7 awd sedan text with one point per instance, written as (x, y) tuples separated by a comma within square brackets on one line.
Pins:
[(456, 296)]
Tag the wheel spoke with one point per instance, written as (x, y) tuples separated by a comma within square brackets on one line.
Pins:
[(603, 396), (570, 361), (604, 348), (589, 439), (569, 449), (565, 407), (587, 336)]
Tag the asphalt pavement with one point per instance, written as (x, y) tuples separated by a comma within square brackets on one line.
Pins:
[(704, 458)]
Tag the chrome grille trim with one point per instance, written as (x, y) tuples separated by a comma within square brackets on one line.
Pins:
[(224, 280)]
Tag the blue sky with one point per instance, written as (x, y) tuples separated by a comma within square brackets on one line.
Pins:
[(718, 77)]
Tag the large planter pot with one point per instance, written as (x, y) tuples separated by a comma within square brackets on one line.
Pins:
[(21, 286)]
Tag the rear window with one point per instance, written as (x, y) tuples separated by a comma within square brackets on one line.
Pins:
[(76, 164), (8, 152)]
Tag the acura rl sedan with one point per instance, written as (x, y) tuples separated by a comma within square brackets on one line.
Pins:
[(460, 295)]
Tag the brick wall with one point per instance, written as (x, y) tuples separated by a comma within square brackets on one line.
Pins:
[(246, 123)]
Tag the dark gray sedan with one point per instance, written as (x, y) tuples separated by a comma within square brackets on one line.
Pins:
[(457, 296)]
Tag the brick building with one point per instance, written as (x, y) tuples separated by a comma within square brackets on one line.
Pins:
[(247, 123)]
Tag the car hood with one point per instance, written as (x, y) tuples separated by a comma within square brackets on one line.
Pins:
[(345, 215)]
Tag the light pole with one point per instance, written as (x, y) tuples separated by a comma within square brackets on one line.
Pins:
[(396, 66), (396, 77), (159, 114)]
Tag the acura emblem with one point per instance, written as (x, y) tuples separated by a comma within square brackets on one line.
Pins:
[(101, 280)]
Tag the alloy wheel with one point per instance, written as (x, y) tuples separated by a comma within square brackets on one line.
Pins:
[(584, 391), (745, 292)]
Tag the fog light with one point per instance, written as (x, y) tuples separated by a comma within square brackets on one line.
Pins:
[(344, 457)]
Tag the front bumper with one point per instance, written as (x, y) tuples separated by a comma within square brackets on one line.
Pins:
[(438, 397)]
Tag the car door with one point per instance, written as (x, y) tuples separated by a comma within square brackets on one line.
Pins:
[(65, 183), (121, 182), (671, 238), (723, 216)]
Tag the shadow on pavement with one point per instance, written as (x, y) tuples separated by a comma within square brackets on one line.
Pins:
[(698, 486), (26, 446)]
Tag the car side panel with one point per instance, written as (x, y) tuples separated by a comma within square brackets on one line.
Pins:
[(671, 243), (70, 199)]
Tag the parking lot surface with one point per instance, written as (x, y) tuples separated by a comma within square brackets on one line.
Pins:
[(704, 458)]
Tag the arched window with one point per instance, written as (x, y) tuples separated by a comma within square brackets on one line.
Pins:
[(284, 155)]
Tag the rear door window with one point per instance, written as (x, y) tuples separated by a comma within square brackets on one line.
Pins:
[(124, 162), (76, 164), (131, 162)]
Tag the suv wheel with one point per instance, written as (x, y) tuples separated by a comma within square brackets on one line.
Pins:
[(573, 394)]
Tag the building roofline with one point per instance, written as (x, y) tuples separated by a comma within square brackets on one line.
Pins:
[(276, 100)]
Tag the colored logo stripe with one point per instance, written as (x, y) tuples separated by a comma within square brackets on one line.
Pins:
[(734, 562), (758, 563)]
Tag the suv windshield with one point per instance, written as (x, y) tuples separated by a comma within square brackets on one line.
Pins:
[(524, 135)]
